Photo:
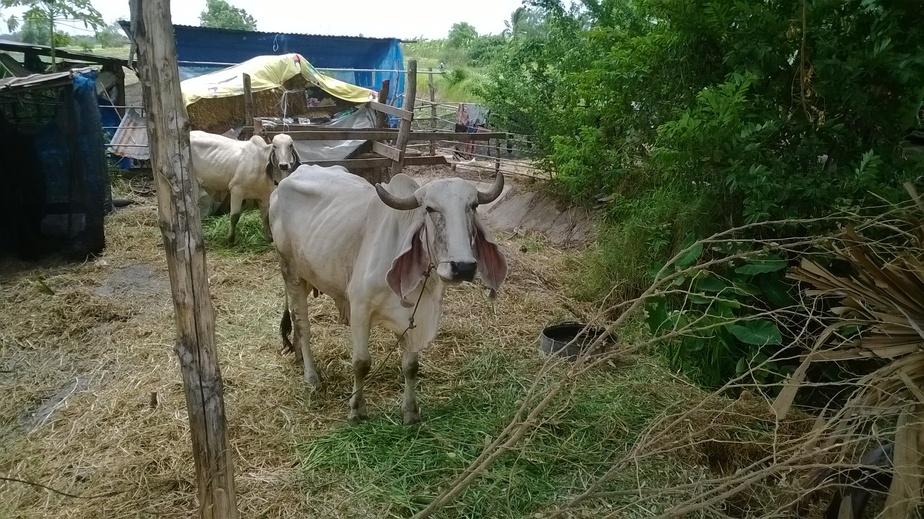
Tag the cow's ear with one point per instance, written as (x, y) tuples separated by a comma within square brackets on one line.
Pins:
[(408, 267), (492, 266), (296, 161), (271, 164)]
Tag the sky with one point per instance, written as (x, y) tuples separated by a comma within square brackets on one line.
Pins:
[(405, 19)]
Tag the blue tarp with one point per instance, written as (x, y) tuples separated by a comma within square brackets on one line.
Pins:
[(67, 191), (201, 50)]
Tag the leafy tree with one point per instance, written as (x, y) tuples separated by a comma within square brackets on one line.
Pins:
[(86, 43), (30, 32), (43, 14), (219, 14), (111, 36), (461, 35), (522, 20)]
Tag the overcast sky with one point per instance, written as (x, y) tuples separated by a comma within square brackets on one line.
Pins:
[(404, 19)]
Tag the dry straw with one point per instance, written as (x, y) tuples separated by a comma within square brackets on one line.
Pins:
[(108, 323), (84, 347)]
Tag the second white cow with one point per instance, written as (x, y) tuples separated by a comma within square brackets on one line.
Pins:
[(247, 170), (384, 254)]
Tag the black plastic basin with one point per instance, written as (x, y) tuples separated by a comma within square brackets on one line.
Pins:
[(554, 340)]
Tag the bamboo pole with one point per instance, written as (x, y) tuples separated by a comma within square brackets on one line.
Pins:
[(178, 215)]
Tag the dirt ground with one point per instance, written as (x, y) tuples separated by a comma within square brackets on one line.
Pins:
[(93, 402)]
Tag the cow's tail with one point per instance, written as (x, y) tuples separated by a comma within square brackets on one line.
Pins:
[(285, 329)]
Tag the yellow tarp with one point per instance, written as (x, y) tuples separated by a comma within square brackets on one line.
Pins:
[(268, 72)]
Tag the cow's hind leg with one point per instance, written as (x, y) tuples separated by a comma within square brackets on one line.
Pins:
[(297, 308), (362, 362), (236, 201), (410, 366)]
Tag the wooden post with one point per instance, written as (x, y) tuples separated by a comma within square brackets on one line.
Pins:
[(496, 155), (380, 117), (178, 215), (410, 97), (432, 87), (381, 121), (248, 101)]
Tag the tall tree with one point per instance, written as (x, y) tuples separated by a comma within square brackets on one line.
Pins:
[(219, 14), (461, 35), (522, 20)]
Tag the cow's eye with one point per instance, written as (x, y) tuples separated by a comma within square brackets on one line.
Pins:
[(430, 209), (474, 205)]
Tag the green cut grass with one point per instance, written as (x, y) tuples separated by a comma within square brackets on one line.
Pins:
[(402, 468), (249, 238)]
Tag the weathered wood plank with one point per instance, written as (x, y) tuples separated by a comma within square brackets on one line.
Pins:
[(387, 151), (376, 134), (400, 113), (380, 118), (404, 130), (437, 160), (381, 121), (178, 215)]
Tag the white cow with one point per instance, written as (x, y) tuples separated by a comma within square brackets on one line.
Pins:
[(384, 254), (248, 170)]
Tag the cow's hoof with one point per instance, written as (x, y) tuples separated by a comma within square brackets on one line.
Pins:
[(411, 415), (313, 380), (357, 416)]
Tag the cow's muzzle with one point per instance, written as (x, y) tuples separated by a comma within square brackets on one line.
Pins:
[(284, 166), (462, 270)]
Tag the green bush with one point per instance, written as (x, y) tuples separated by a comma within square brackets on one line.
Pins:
[(724, 338), (690, 117)]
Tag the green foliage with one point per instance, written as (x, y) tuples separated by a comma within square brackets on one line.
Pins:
[(111, 36), (31, 32), (721, 335), (485, 49), (219, 14), (638, 233), (727, 98), (85, 43), (728, 106), (40, 18), (523, 22), (461, 35)]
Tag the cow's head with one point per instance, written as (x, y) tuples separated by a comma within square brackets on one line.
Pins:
[(283, 157), (446, 233)]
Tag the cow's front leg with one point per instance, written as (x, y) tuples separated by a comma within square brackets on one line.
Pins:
[(410, 366), (264, 215), (359, 327)]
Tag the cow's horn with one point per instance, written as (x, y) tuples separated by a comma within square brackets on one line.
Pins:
[(402, 204), (490, 196)]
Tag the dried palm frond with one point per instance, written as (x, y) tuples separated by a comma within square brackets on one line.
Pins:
[(882, 302)]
